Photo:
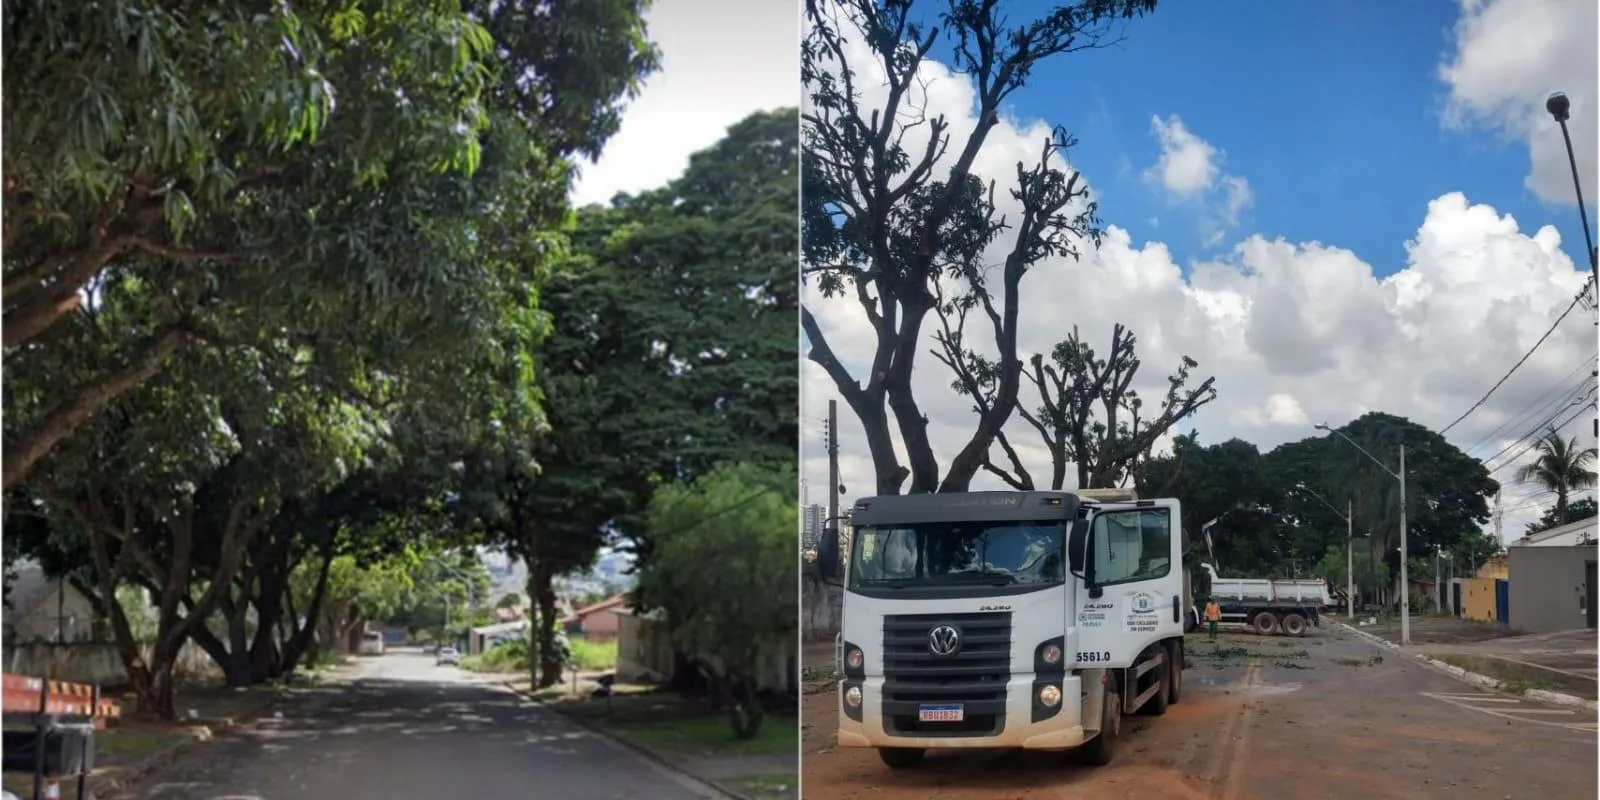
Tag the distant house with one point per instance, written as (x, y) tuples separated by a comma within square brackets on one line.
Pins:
[(488, 636), (596, 622), (44, 609), (510, 613)]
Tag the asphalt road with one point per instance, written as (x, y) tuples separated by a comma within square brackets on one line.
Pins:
[(403, 728), (1325, 716)]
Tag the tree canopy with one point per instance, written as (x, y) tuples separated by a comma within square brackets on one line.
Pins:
[(724, 574), (266, 275)]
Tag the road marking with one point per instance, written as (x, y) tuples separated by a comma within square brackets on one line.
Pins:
[(1475, 698), (1470, 703), (1236, 749)]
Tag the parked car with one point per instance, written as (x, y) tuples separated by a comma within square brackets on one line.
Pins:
[(447, 655), (372, 644)]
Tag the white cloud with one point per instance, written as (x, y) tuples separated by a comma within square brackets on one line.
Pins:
[(1295, 333), (1190, 169), (708, 81), (1188, 164), (1509, 55)]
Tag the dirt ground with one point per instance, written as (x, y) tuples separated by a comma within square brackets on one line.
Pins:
[(1260, 716), (1433, 630)]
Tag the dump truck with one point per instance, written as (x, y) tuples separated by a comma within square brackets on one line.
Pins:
[(1032, 620)]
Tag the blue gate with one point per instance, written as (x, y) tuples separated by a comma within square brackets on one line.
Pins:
[(1502, 601)]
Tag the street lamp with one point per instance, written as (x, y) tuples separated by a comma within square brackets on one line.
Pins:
[(1405, 585), (1349, 549), (1560, 107)]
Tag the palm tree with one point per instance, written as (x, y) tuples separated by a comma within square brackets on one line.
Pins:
[(1561, 468)]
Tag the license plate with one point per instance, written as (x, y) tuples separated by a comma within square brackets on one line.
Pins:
[(950, 713)]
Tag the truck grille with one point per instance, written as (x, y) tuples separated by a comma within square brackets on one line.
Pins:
[(975, 676)]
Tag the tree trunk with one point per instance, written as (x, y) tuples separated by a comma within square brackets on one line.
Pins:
[(744, 707), (303, 644), (550, 660)]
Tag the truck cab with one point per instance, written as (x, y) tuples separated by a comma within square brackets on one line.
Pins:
[(1007, 619)]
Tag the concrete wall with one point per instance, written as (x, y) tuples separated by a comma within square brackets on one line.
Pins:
[(644, 655), (1477, 599), (821, 608), (1547, 588)]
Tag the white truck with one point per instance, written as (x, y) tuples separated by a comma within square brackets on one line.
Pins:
[(1265, 606), (1008, 619)]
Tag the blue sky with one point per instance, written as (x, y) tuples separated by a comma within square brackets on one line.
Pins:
[(1332, 111)]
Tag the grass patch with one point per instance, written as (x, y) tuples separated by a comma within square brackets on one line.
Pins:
[(512, 657), (671, 725), (1369, 661), (594, 656), (772, 786), (1517, 678)]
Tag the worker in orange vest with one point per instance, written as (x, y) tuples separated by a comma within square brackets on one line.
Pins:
[(1213, 616)]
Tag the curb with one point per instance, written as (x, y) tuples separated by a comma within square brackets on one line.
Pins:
[(646, 753), (1476, 679)]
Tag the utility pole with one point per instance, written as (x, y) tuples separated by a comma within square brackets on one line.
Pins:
[(833, 461), (1350, 560), (1405, 585), (1439, 580), (1499, 516)]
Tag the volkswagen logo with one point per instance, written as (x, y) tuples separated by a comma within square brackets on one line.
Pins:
[(944, 640)]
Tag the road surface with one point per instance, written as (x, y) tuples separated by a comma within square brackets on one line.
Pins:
[(1326, 716), (403, 728)]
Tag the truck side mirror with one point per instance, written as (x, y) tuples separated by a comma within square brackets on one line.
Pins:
[(1078, 548), (828, 553)]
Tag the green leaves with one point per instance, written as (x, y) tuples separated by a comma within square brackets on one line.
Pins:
[(723, 569)]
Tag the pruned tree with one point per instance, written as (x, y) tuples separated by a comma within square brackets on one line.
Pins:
[(881, 223), (1089, 415)]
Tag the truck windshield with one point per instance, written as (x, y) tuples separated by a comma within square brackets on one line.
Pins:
[(958, 553)]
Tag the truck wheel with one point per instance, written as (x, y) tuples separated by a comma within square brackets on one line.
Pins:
[(1265, 623), (901, 757), (1098, 752), (1175, 667), (1294, 624)]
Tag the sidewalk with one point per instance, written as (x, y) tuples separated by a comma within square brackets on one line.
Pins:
[(675, 732)]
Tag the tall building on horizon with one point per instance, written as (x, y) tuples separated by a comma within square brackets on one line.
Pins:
[(811, 525)]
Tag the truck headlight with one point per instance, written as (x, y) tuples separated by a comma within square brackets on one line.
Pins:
[(1051, 654), (852, 696), (854, 659), (1049, 695)]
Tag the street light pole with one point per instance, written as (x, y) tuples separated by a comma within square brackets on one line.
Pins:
[(1405, 585), (1405, 553), (1560, 108), (1349, 548)]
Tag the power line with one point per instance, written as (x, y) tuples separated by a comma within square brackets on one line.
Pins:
[(1574, 396), (1512, 460), (1475, 406), (1536, 407)]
